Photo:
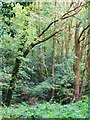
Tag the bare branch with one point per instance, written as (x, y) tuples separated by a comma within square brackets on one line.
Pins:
[(85, 45), (63, 17), (34, 43), (51, 35), (83, 32), (73, 10), (84, 37), (71, 15), (46, 38), (48, 27)]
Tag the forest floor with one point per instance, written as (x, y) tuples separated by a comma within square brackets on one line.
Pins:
[(46, 110)]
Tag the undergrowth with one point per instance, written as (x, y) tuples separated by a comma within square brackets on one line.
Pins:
[(47, 110)]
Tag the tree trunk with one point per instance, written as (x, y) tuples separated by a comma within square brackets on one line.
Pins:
[(38, 32), (88, 62), (18, 63), (53, 87), (83, 59), (12, 82), (77, 61), (53, 52), (46, 70), (88, 52)]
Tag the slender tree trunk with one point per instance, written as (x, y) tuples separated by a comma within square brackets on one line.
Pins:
[(83, 82), (83, 58), (88, 53), (66, 41), (88, 58), (53, 53), (40, 66), (67, 44), (77, 61), (32, 54), (53, 82), (38, 32), (68, 34), (46, 70)]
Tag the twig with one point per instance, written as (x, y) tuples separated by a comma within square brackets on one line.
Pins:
[(84, 37)]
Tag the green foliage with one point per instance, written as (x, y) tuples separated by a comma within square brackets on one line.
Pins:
[(41, 89), (7, 14), (20, 21), (87, 6), (47, 110), (64, 71), (64, 79)]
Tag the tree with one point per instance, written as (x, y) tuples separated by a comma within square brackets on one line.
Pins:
[(53, 54), (77, 61), (24, 50)]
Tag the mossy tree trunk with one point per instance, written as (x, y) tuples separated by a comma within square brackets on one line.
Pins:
[(12, 82)]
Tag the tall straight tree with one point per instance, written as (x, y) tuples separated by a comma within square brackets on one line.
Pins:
[(88, 52), (68, 32), (88, 60), (77, 61), (39, 49), (53, 54)]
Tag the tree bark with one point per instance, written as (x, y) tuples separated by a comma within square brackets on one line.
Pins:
[(77, 61), (53, 81), (53, 54), (46, 70), (88, 52), (83, 59), (12, 82), (38, 33), (88, 62)]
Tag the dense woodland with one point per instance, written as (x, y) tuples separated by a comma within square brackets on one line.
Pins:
[(45, 59)]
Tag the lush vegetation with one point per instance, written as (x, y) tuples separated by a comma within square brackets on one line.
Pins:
[(45, 59), (47, 110)]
